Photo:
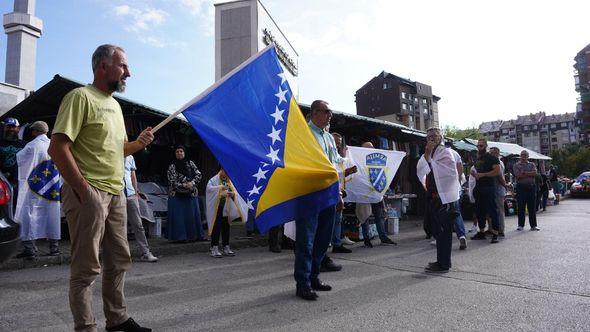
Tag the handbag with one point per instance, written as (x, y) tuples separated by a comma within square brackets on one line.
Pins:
[(182, 192)]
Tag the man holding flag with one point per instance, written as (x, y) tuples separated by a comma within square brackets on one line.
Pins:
[(252, 124)]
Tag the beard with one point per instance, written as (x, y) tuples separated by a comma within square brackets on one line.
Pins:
[(117, 86)]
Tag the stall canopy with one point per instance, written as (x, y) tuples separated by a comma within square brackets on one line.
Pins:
[(506, 149)]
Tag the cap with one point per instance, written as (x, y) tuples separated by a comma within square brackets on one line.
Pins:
[(11, 122), (40, 126)]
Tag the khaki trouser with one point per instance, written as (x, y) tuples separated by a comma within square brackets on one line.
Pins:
[(100, 221)]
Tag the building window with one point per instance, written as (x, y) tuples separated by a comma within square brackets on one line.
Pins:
[(404, 106), (424, 102), (415, 99), (534, 133), (553, 125), (535, 127), (554, 147), (403, 95), (411, 107), (553, 139), (526, 127), (527, 135), (563, 125), (544, 127)]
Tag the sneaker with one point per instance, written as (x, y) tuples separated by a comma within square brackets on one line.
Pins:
[(462, 243), (535, 228), (215, 253), (228, 252), (129, 325), (148, 257), (433, 242), (479, 236), (473, 229), (494, 239), (519, 228), (346, 240)]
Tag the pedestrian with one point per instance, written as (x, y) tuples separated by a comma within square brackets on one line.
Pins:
[(38, 206), (542, 183), (224, 205), (487, 168), (459, 225), (501, 187), (437, 171), (313, 233), (88, 145), (10, 144), (552, 175), (525, 172), (184, 215), (378, 211), (133, 215), (341, 166)]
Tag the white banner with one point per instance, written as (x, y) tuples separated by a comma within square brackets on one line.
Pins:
[(376, 169)]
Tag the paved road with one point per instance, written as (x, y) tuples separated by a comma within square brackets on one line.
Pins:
[(530, 281)]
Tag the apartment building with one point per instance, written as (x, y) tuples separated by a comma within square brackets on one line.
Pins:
[(395, 99)]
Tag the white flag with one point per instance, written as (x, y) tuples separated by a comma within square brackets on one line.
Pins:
[(376, 169), (39, 183)]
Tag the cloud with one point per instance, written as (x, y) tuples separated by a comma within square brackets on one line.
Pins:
[(140, 19)]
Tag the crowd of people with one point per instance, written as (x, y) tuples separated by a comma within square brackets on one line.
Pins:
[(100, 198)]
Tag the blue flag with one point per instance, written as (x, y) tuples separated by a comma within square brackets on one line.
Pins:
[(254, 127)]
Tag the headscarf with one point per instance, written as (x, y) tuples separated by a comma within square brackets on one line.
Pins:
[(183, 165)]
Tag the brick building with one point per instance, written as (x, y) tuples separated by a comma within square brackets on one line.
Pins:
[(392, 98)]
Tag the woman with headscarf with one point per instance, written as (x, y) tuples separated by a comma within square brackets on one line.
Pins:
[(184, 217), (224, 205)]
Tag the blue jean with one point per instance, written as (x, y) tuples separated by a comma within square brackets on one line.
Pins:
[(313, 236), (485, 205), (377, 209), (337, 233), (526, 196), (459, 225)]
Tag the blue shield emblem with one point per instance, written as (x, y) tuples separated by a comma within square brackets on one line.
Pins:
[(376, 163), (44, 181)]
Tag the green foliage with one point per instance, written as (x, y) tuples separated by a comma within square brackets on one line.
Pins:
[(572, 160), (455, 132)]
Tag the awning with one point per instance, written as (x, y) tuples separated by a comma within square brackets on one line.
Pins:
[(510, 149)]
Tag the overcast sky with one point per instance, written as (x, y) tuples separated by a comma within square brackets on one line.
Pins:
[(486, 60)]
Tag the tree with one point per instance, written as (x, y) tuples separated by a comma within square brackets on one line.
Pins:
[(571, 160), (455, 132)]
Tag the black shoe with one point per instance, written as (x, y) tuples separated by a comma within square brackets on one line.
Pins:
[(368, 243), (274, 248), (341, 249), (479, 236), (387, 240), (306, 294), (501, 234), (328, 265), (494, 239), (488, 232), (320, 286), (462, 243), (436, 268), (129, 326), (432, 263)]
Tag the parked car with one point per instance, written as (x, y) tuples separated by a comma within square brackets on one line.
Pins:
[(581, 187), (9, 229)]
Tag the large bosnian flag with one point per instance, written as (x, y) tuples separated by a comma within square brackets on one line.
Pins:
[(254, 127)]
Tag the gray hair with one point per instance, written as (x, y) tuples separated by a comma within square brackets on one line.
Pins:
[(438, 131), (104, 53)]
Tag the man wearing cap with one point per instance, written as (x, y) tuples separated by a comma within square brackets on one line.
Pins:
[(38, 206), (10, 144), (88, 145)]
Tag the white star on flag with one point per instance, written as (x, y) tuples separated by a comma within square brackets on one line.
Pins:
[(260, 174), (249, 204), (277, 115), (255, 190), (275, 135), (273, 155), (281, 95), (283, 78)]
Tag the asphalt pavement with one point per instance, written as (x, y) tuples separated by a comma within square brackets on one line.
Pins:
[(530, 281)]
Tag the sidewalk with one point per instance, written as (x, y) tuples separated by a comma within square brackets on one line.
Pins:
[(162, 248)]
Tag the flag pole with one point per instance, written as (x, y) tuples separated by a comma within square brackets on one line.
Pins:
[(211, 88)]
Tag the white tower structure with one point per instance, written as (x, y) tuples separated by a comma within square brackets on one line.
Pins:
[(23, 30)]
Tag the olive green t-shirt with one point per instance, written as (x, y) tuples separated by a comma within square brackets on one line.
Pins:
[(93, 121)]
